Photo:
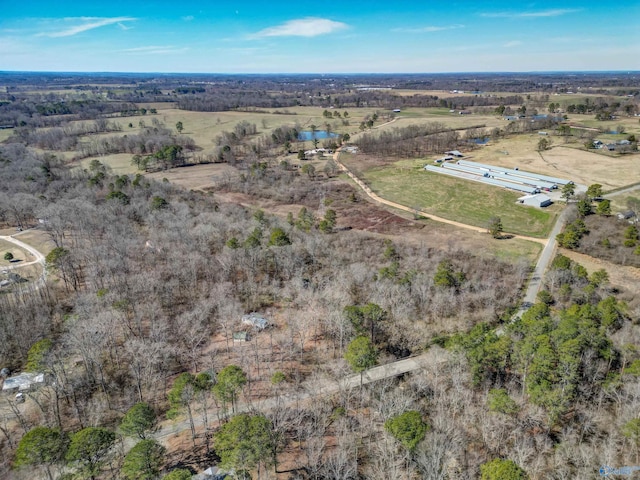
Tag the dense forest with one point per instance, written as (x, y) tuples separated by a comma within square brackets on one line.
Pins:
[(148, 321)]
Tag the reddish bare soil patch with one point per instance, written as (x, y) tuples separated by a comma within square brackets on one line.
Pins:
[(353, 211)]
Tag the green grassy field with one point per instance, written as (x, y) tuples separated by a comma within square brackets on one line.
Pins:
[(120, 163), (468, 202)]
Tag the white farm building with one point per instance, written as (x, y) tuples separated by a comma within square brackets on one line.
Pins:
[(539, 200)]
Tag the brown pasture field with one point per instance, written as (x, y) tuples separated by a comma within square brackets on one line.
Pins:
[(452, 120), (631, 124), (204, 127), (581, 166), (196, 177)]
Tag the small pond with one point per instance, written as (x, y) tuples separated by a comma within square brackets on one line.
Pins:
[(318, 135), (480, 140)]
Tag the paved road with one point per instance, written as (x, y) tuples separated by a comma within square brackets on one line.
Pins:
[(547, 255), (545, 258)]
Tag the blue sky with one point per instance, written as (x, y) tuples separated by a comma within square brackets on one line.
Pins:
[(318, 37)]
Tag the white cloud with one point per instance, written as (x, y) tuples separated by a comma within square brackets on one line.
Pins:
[(542, 13), (428, 29), (188, 18), (303, 27), (513, 43), (88, 23), (155, 50)]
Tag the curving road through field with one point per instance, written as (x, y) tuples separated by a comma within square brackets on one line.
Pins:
[(38, 257), (374, 196), (545, 258)]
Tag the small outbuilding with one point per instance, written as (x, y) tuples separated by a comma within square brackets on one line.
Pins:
[(538, 200), (212, 473), (626, 215), (23, 382), (255, 320), (240, 337), (454, 153)]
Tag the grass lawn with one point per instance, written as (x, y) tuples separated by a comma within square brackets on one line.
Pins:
[(465, 201), (19, 255)]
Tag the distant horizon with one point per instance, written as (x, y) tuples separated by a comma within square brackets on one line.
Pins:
[(343, 74), (332, 37)]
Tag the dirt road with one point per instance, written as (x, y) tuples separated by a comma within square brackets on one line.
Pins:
[(318, 388), (371, 194), (37, 256)]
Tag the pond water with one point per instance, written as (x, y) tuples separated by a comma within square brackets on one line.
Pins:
[(480, 140), (318, 134)]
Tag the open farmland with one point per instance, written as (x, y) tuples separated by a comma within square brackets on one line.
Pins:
[(120, 163), (581, 166), (452, 120), (197, 177), (407, 183)]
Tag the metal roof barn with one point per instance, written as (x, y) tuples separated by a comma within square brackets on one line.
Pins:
[(521, 173), (485, 172), (477, 178), (539, 200)]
